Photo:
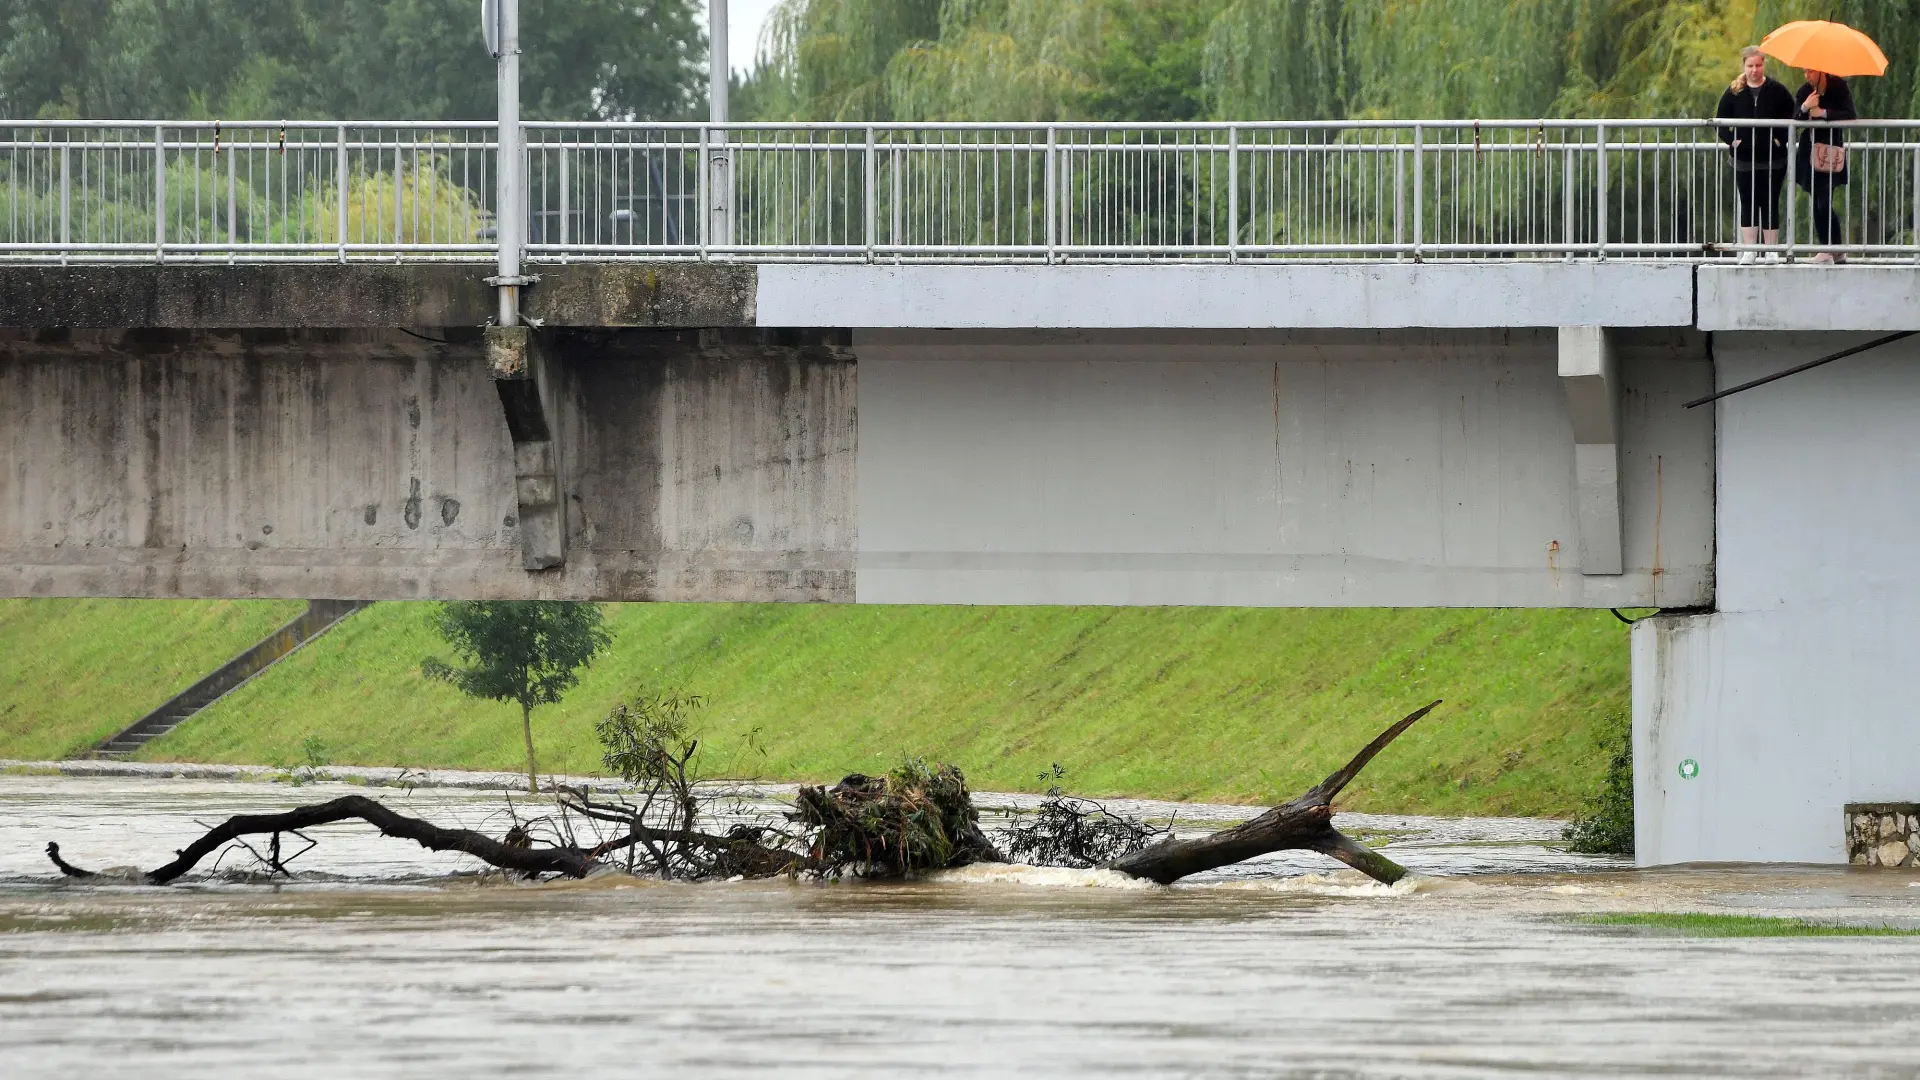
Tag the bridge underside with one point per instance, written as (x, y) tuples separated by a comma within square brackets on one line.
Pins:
[(1366, 434), (1166, 467)]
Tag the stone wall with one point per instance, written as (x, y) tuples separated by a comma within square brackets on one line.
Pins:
[(1883, 834)]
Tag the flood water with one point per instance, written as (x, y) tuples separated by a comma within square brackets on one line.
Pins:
[(385, 960)]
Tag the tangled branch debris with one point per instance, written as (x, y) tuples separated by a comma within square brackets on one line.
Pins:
[(1066, 831), (919, 817)]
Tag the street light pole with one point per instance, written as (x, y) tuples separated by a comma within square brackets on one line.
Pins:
[(510, 215), (719, 72)]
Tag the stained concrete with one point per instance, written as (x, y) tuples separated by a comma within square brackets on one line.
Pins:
[(369, 294), (363, 464)]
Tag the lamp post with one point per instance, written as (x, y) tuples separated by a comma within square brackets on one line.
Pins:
[(720, 192), (500, 19)]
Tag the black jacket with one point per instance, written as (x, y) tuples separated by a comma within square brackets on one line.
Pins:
[(1758, 147), (1838, 101)]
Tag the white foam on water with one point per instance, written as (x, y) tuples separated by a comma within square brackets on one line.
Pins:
[(1347, 883), (1057, 877)]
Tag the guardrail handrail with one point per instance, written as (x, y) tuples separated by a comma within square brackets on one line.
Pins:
[(1237, 191)]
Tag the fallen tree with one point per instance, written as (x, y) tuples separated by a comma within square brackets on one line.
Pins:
[(1306, 823), (917, 818)]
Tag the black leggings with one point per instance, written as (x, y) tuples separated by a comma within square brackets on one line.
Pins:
[(1826, 223), (1759, 193)]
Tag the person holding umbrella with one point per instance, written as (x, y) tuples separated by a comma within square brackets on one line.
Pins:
[(1759, 153), (1828, 51)]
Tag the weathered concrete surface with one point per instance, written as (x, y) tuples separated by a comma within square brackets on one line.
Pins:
[(667, 294), (366, 464), (363, 294), (1267, 468), (1525, 293), (1796, 696), (1809, 297)]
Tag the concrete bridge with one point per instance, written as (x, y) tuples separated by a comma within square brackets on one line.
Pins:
[(1490, 421)]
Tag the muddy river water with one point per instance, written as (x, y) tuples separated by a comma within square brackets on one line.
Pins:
[(384, 960)]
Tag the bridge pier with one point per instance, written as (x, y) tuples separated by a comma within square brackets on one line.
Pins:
[(1756, 723)]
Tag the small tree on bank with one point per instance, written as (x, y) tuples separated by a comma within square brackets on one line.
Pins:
[(525, 651)]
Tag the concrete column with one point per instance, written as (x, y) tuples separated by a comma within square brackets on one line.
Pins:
[(1590, 375), (526, 380)]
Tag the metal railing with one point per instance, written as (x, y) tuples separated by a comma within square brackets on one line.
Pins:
[(1371, 190)]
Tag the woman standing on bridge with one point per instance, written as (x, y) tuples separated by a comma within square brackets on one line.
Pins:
[(1821, 164), (1759, 153)]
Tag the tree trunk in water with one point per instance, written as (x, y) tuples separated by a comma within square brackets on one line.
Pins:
[(1305, 823), (526, 729)]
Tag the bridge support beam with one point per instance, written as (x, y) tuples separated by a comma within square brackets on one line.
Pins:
[(527, 381), (1590, 375)]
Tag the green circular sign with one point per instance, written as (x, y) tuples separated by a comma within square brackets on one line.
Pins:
[(1689, 769)]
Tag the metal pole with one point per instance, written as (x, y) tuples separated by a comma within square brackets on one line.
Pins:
[(873, 192), (1419, 191), (510, 214), (66, 200), (233, 233), (159, 193), (1233, 194), (1601, 199), (340, 189), (1053, 234), (1399, 201), (1569, 224), (718, 71), (566, 202), (1793, 203)]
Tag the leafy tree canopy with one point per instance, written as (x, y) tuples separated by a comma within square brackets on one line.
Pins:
[(525, 651), (343, 59), (1288, 59)]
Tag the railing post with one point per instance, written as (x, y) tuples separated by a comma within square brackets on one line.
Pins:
[(399, 167), (1233, 193), (704, 180), (873, 192), (340, 189), (1914, 239), (233, 205), (66, 199), (1793, 203), (1569, 198), (897, 213), (1399, 199), (1053, 198), (159, 193), (566, 200), (1419, 190), (1600, 207)]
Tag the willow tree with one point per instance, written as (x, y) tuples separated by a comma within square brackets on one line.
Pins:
[(1290, 59)]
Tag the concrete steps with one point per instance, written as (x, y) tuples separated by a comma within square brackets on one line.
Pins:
[(320, 616)]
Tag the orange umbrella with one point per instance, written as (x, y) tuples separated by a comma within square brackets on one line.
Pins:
[(1817, 45)]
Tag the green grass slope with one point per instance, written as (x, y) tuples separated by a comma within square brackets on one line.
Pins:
[(1227, 704), (73, 672)]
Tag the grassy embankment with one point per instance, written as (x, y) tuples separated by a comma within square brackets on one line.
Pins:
[(73, 672), (1228, 704)]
